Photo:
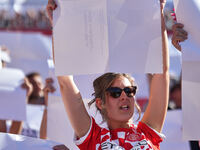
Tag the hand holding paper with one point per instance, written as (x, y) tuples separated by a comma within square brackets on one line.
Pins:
[(50, 7), (179, 35)]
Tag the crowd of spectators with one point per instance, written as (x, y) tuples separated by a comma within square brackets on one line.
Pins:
[(29, 20)]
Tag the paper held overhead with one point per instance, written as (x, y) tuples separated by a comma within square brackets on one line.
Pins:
[(188, 13), (13, 97), (11, 77), (95, 36), (80, 37)]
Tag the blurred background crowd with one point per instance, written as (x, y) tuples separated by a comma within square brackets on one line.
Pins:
[(31, 20), (31, 15), (24, 15)]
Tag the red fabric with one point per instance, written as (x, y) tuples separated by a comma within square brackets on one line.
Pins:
[(173, 15), (140, 138), (150, 134)]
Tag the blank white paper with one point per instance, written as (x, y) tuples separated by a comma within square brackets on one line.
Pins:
[(81, 38), (84, 31), (12, 96), (20, 142)]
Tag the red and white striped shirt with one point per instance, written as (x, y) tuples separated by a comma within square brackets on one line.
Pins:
[(140, 137)]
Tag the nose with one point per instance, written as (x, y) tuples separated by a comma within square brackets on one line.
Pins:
[(123, 95)]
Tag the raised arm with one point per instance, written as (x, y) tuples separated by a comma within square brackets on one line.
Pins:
[(155, 113), (78, 116), (75, 108), (49, 88)]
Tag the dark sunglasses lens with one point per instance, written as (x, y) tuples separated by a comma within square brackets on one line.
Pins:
[(130, 91), (115, 92)]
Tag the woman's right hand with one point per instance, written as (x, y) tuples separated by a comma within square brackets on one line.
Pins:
[(51, 6), (179, 35), (60, 147)]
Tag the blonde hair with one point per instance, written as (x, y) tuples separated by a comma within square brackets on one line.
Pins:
[(105, 81)]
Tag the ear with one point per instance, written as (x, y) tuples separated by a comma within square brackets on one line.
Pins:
[(99, 103)]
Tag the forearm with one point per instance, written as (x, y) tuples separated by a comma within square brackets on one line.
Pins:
[(43, 127), (165, 48), (156, 110), (158, 101), (3, 126), (74, 105), (16, 127)]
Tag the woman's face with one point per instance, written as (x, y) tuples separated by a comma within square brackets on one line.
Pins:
[(119, 110)]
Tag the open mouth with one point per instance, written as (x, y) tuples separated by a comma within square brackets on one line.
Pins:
[(124, 107)]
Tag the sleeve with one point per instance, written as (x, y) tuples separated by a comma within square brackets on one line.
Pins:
[(90, 140), (151, 134)]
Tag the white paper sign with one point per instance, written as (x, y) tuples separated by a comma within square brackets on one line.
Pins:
[(12, 96), (11, 77), (139, 49), (81, 38), (191, 72), (172, 129), (29, 51), (58, 126), (188, 13), (13, 104), (19, 142), (133, 37), (191, 109)]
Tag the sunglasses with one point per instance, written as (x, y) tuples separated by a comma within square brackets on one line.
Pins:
[(116, 92)]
